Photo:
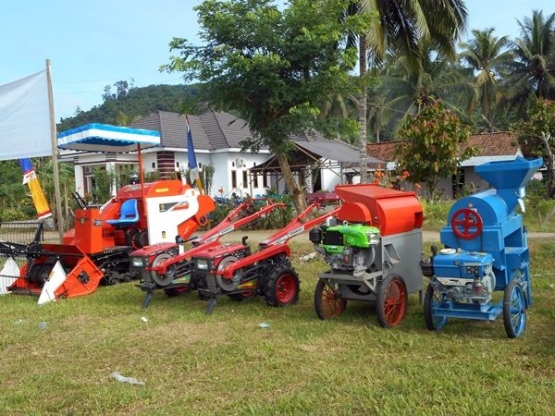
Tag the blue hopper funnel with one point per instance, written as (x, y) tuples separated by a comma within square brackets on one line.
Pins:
[(509, 176)]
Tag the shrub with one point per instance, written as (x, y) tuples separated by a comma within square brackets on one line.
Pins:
[(14, 214), (435, 214)]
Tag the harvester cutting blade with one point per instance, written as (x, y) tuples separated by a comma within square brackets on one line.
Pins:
[(8, 274), (56, 278)]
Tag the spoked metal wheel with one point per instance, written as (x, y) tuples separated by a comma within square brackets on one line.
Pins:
[(283, 286), (514, 310), (392, 301), (327, 301), (433, 298)]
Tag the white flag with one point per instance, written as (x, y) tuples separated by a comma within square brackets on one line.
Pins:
[(25, 118)]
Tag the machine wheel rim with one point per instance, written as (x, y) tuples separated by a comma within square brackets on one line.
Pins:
[(395, 303), (286, 288), (392, 301), (162, 280), (514, 310), (227, 285), (327, 301), (282, 286)]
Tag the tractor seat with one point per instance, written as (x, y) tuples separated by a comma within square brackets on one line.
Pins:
[(129, 214)]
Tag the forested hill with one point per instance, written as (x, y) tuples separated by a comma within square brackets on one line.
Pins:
[(131, 103)]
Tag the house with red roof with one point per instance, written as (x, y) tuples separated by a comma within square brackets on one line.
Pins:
[(490, 147)]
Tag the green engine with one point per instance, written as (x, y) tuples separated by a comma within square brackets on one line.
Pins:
[(347, 247)]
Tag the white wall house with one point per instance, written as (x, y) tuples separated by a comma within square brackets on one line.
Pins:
[(217, 141), (318, 163)]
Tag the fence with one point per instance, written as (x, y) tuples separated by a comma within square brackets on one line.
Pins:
[(14, 236), (21, 232)]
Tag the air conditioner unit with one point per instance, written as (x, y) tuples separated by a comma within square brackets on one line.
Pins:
[(88, 170), (241, 162)]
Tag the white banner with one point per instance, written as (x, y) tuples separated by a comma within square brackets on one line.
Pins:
[(25, 118)]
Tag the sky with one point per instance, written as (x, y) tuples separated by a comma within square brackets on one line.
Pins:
[(95, 43)]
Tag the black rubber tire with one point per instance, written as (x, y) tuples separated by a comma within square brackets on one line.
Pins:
[(283, 286)]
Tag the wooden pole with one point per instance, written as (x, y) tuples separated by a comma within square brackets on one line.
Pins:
[(142, 178), (54, 141)]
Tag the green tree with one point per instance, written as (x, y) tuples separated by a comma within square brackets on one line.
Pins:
[(489, 58), (533, 72), (135, 103), (405, 87), (537, 136), (435, 143), (401, 25), (273, 67)]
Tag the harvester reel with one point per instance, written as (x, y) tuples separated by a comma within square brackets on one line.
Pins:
[(39, 273), (467, 224), (162, 279), (34, 250)]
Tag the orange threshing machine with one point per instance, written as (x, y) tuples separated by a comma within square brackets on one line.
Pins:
[(374, 246)]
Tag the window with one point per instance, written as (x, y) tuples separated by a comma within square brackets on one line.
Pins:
[(255, 180), (245, 179), (233, 179), (264, 180)]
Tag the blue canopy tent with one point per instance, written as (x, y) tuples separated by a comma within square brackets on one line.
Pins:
[(106, 138)]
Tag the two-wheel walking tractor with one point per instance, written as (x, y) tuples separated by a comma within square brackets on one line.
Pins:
[(373, 247), (168, 266), (485, 250), (235, 271)]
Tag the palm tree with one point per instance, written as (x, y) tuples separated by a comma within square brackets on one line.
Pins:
[(401, 23), (533, 71), (406, 87), (337, 111), (488, 57)]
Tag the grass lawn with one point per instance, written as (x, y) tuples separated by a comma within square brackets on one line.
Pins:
[(57, 359)]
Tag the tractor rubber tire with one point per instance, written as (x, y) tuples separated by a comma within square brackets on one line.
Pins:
[(282, 287)]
